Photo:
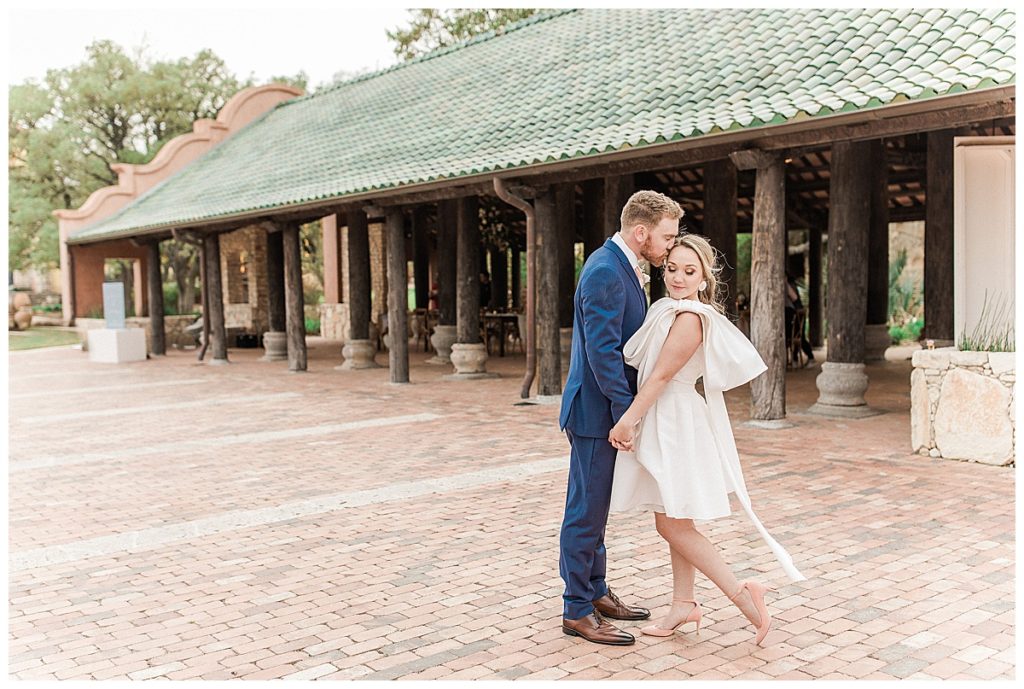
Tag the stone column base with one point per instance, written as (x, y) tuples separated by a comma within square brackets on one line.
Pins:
[(358, 354), (470, 361), (442, 340), (841, 388), (876, 341), (275, 344)]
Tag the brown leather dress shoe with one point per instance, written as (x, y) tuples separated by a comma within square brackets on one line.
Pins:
[(594, 628), (611, 606)]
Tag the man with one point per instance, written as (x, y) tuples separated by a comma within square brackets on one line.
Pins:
[(610, 306)]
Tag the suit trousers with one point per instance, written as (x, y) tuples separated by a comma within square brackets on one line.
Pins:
[(582, 561)]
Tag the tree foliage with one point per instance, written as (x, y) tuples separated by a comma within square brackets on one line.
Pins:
[(66, 132), (431, 29)]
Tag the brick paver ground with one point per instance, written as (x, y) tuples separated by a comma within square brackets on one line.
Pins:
[(176, 520)]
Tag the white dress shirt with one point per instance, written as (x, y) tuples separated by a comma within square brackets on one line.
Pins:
[(630, 256)]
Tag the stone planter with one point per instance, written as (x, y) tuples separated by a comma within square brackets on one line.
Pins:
[(442, 340), (962, 405)]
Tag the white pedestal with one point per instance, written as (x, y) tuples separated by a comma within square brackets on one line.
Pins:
[(117, 346)]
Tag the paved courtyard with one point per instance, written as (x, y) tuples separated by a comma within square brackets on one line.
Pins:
[(177, 520)]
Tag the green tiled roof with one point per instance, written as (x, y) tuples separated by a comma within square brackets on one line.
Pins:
[(578, 83)]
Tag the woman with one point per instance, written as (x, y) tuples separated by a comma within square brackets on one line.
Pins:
[(676, 454)]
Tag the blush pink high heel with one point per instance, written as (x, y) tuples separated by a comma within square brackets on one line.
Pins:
[(757, 592), (693, 616)]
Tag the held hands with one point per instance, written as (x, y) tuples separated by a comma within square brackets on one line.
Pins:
[(622, 435)]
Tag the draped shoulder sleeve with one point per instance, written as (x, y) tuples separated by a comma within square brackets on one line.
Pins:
[(730, 360)]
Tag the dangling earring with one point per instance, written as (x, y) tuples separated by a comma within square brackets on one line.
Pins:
[(703, 286)]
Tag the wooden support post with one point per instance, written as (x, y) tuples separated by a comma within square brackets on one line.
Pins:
[(593, 216), (850, 201), (398, 296), (215, 299), (468, 354), (517, 278), (294, 314), (358, 275), (767, 280), (617, 190), (275, 340), (842, 381), (815, 294), (468, 269), (447, 253), (275, 283), (565, 239), (154, 284), (499, 278), (938, 239), (720, 191), (421, 256), (877, 331), (548, 343)]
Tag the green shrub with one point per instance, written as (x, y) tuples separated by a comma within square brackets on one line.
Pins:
[(170, 299), (312, 326), (907, 332)]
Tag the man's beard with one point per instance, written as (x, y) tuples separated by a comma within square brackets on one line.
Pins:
[(647, 251)]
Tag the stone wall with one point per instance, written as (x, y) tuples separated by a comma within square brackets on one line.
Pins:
[(334, 321), (962, 405), (244, 274)]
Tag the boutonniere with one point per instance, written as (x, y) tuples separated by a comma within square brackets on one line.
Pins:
[(644, 278)]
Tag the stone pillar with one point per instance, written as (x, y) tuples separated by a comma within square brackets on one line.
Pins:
[(876, 334), (295, 326), (154, 284), (444, 332), (332, 260), (138, 287), (275, 340), (720, 190), (215, 300), (593, 216), (842, 381), (617, 190), (469, 354), (815, 293), (398, 296), (767, 279), (565, 239), (359, 349), (548, 341), (938, 239)]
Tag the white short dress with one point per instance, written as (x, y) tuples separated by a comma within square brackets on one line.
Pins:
[(684, 462)]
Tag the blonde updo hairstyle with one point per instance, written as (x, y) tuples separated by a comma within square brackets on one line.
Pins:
[(710, 266)]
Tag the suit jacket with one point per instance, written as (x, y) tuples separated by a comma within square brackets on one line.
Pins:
[(609, 306)]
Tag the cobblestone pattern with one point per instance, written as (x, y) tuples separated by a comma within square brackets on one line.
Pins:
[(910, 560)]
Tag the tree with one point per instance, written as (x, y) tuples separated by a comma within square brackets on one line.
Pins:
[(431, 29), (65, 133)]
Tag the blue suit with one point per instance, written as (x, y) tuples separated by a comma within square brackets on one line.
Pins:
[(609, 306)]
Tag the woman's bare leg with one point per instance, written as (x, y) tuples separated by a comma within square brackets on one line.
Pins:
[(698, 551), (683, 575)]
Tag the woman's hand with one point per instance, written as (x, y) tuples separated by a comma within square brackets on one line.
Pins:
[(622, 434)]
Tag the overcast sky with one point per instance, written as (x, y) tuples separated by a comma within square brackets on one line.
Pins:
[(263, 38), (252, 37)]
